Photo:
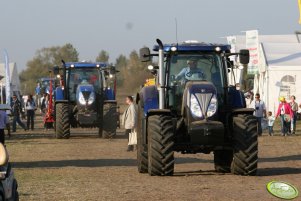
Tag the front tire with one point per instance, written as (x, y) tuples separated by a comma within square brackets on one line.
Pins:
[(245, 145), (62, 121), (109, 120), (160, 145)]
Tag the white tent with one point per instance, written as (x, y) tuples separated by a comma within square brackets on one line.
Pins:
[(282, 73), (279, 67), (14, 76)]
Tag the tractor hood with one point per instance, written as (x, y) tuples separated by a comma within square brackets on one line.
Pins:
[(85, 95), (200, 99)]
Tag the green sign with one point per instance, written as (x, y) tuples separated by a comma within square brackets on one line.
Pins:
[(282, 190)]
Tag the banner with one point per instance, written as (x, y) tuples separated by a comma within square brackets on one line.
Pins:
[(7, 78), (252, 44)]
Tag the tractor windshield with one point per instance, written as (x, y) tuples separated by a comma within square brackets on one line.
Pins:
[(193, 67), (83, 75)]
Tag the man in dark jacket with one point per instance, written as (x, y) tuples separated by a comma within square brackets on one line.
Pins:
[(16, 111)]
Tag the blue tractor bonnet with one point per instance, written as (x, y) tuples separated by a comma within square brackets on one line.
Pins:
[(84, 89)]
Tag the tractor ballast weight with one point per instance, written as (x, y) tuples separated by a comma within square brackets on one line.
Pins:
[(192, 109), (86, 98)]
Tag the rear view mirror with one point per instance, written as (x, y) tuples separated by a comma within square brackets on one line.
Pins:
[(145, 55), (244, 56), (56, 70)]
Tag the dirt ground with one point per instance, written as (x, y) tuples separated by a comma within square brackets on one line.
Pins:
[(85, 167)]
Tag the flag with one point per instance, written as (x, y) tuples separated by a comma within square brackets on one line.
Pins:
[(7, 76), (299, 3)]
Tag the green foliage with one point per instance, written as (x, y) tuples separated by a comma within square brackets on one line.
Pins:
[(103, 56), (44, 59), (133, 73), (121, 63)]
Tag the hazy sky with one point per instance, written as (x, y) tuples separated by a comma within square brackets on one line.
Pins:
[(120, 26)]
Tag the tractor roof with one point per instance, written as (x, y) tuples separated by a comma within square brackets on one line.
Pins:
[(86, 65), (193, 46), (46, 79)]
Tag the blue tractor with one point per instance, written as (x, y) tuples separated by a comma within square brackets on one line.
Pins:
[(86, 98), (192, 109)]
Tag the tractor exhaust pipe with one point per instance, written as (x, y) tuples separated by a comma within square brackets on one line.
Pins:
[(161, 75)]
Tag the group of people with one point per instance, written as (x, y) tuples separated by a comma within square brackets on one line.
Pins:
[(287, 111), (18, 114)]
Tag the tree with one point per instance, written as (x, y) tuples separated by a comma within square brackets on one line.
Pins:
[(120, 65), (103, 56), (44, 59), (135, 73)]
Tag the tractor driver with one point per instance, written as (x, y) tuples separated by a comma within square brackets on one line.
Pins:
[(191, 72)]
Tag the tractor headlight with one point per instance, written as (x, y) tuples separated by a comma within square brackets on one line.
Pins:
[(195, 107), (81, 99), (212, 106), (91, 98)]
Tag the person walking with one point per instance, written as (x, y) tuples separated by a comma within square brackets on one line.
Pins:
[(286, 114), (259, 113), (3, 122), (271, 120), (30, 107), (129, 119), (16, 111), (295, 108)]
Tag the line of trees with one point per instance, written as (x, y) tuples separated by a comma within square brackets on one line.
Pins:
[(132, 73)]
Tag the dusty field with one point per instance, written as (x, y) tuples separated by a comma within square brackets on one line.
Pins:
[(88, 168)]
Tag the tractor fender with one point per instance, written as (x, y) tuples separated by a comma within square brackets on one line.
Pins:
[(149, 98), (249, 111), (158, 112), (59, 93), (61, 101)]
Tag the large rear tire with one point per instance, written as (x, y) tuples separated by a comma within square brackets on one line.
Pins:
[(62, 121), (142, 157), (110, 119), (160, 145), (223, 160), (245, 145)]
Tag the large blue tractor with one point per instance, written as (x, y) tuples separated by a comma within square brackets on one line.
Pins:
[(193, 109), (86, 98)]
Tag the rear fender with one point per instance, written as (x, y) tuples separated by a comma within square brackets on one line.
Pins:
[(148, 98), (236, 98), (59, 93)]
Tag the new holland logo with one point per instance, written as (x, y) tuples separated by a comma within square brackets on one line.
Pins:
[(203, 90), (282, 190)]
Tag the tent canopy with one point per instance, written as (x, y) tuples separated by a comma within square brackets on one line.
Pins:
[(282, 54), (14, 76)]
